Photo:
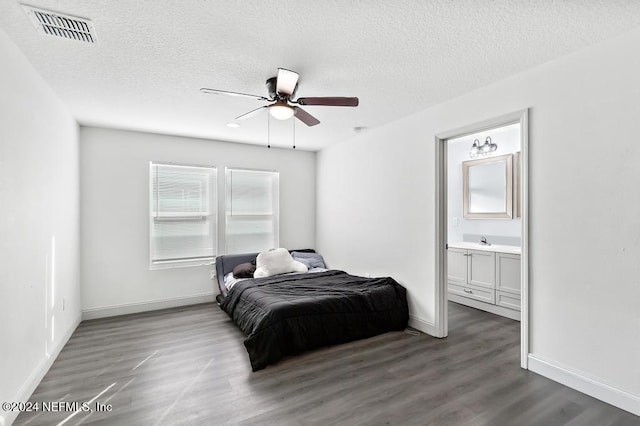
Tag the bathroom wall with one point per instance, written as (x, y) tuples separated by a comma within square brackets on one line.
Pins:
[(497, 231)]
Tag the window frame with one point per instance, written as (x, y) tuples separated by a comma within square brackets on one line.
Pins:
[(212, 194), (275, 213)]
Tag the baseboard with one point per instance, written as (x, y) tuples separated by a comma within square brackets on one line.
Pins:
[(151, 305), (36, 376), (580, 382), (488, 307), (422, 325)]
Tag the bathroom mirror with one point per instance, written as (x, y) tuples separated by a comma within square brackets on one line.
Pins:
[(488, 188)]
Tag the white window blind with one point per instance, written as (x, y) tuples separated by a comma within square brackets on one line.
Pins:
[(183, 208), (252, 219)]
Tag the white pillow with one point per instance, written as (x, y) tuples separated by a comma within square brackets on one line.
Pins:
[(276, 261), (230, 280)]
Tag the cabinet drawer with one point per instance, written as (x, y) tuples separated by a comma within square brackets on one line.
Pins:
[(508, 300), (472, 292)]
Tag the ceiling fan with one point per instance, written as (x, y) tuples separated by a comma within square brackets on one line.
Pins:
[(282, 106)]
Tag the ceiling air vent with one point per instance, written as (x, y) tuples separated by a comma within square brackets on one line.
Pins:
[(60, 25)]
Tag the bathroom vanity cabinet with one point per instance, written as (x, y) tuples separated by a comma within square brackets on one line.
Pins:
[(485, 277)]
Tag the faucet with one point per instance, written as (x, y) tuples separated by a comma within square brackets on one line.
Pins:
[(483, 241)]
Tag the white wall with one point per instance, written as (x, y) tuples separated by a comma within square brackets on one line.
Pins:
[(39, 225), (498, 231), (376, 197), (115, 214)]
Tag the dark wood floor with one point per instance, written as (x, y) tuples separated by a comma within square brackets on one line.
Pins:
[(188, 366)]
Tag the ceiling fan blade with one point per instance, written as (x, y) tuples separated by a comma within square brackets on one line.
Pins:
[(287, 81), (329, 101), (305, 117), (225, 92), (251, 113)]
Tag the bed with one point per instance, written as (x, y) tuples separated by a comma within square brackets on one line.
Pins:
[(290, 313)]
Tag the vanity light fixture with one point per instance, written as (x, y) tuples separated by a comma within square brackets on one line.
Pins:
[(482, 150)]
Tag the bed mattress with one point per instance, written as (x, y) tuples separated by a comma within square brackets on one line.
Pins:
[(288, 314)]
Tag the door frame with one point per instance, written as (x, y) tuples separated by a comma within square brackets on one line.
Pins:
[(441, 325)]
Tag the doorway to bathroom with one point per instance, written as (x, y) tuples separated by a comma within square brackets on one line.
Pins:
[(481, 213)]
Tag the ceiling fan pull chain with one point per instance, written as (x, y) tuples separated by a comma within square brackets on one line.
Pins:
[(268, 130), (294, 133)]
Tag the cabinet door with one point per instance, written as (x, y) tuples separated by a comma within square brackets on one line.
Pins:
[(457, 265), (481, 269), (508, 272)]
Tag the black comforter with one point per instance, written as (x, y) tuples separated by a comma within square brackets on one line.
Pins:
[(287, 314)]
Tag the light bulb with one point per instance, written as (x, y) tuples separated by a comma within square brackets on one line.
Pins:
[(489, 146), (473, 153)]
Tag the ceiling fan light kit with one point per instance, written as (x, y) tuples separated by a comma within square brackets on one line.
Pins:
[(281, 111)]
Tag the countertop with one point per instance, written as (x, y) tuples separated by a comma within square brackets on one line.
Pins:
[(482, 247)]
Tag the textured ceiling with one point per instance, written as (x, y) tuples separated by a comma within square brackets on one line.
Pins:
[(397, 57)]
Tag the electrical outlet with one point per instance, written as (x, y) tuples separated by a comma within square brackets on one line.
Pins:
[(455, 221), (64, 303), (212, 274)]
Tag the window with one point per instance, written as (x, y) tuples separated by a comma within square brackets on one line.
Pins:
[(183, 208), (252, 217)]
